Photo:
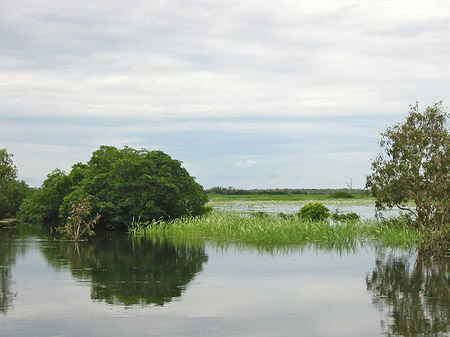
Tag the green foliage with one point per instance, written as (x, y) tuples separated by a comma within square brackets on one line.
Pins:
[(314, 211), (415, 168), (435, 242), (42, 206), (260, 214), (12, 191), (286, 216), (272, 229), (342, 194), (81, 221), (336, 216), (123, 184)]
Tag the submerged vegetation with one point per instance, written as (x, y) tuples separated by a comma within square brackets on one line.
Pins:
[(272, 229)]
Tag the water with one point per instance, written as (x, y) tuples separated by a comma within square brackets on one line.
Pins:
[(366, 210), (116, 286)]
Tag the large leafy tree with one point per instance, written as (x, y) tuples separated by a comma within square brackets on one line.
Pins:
[(122, 185), (12, 191), (414, 168)]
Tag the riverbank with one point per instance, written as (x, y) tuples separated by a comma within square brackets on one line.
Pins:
[(272, 229)]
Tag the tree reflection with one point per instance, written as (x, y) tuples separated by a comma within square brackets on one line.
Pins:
[(7, 260), (412, 294), (127, 272)]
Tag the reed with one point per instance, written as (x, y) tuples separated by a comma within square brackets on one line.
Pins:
[(272, 229)]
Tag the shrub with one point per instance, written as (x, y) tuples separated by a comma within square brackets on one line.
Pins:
[(345, 216), (342, 194), (81, 221), (314, 211), (259, 214)]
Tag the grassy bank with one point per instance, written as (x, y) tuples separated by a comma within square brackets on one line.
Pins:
[(229, 226), (293, 197)]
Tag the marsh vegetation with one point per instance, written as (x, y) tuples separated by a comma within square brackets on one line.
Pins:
[(275, 229)]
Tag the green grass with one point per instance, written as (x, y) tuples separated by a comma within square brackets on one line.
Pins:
[(269, 197), (230, 226)]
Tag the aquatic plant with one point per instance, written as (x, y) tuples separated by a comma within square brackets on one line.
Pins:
[(336, 216), (231, 226), (314, 211)]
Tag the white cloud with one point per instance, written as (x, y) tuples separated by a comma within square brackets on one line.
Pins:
[(121, 72), (245, 163)]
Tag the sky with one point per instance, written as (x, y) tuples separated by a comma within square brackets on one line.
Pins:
[(249, 94)]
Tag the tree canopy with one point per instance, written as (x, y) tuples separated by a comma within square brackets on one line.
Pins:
[(414, 168), (12, 190), (122, 185)]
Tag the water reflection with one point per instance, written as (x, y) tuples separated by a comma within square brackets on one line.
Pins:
[(127, 272), (8, 252), (413, 295)]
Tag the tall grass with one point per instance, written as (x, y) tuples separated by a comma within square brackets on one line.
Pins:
[(230, 226)]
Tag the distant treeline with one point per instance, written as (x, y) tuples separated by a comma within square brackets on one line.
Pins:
[(282, 191)]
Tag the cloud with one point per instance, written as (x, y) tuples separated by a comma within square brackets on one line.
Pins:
[(209, 81), (246, 163)]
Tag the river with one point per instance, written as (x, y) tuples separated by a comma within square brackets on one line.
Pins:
[(115, 285)]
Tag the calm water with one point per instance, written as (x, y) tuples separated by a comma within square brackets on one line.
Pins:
[(116, 286), (364, 209)]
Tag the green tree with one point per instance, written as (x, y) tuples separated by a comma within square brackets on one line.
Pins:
[(122, 184), (42, 206), (12, 191), (414, 168)]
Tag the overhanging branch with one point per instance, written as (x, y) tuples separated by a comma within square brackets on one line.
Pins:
[(407, 209)]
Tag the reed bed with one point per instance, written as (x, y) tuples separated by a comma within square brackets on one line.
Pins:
[(271, 229)]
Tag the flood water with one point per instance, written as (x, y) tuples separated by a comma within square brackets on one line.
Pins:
[(116, 286), (366, 210)]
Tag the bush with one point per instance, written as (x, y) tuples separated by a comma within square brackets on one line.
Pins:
[(336, 216), (342, 194), (314, 211), (122, 184), (259, 214), (81, 221)]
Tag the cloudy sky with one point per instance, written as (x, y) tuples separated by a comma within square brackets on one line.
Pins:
[(250, 94)]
